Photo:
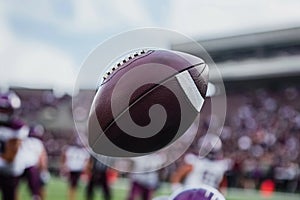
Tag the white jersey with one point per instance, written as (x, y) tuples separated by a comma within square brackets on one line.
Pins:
[(9, 130), (145, 164), (28, 155), (31, 150), (15, 168), (205, 171), (76, 158)]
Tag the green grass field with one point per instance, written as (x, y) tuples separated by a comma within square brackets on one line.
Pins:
[(57, 190)]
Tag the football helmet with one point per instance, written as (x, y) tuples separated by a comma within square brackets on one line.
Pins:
[(210, 146), (9, 102)]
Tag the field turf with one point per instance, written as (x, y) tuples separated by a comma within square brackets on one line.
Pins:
[(57, 190)]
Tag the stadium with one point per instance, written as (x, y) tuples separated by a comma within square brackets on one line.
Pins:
[(261, 133)]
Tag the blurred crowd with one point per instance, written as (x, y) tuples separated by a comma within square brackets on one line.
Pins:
[(262, 136)]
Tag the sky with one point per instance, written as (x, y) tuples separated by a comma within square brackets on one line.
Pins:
[(44, 42)]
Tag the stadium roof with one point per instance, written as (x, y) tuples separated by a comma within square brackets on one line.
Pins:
[(252, 55)]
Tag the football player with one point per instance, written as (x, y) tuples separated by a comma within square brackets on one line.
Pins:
[(97, 177), (144, 184), (12, 132), (74, 161), (198, 170), (36, 171)]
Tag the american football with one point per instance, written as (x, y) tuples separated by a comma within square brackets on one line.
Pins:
[(133, 87)]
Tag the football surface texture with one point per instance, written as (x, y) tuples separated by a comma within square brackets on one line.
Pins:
[(146, 101)]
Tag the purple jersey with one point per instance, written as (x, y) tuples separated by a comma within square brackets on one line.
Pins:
[(198, 193)]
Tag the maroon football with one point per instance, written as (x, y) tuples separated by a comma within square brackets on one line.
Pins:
[(146, 101)]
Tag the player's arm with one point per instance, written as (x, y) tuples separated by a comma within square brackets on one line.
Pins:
[(43, 160), (63, 167), (43, 166), (180, 173), (88, 166)]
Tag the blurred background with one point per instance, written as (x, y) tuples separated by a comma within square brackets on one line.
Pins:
[(254, 43)]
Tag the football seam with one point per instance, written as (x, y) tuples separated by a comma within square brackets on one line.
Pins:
[(146, 93), (200, 74)]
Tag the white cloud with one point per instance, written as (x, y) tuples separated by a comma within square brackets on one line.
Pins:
[(201, 17), (86, 16), (33, 64), (133, 12), (5, 34), (36, 64), (39, 65), (94, 16), (194, 17)]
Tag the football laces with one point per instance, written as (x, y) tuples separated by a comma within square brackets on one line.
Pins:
[(124, 60)]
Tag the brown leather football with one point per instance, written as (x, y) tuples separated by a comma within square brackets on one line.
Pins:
[(146, 101)]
